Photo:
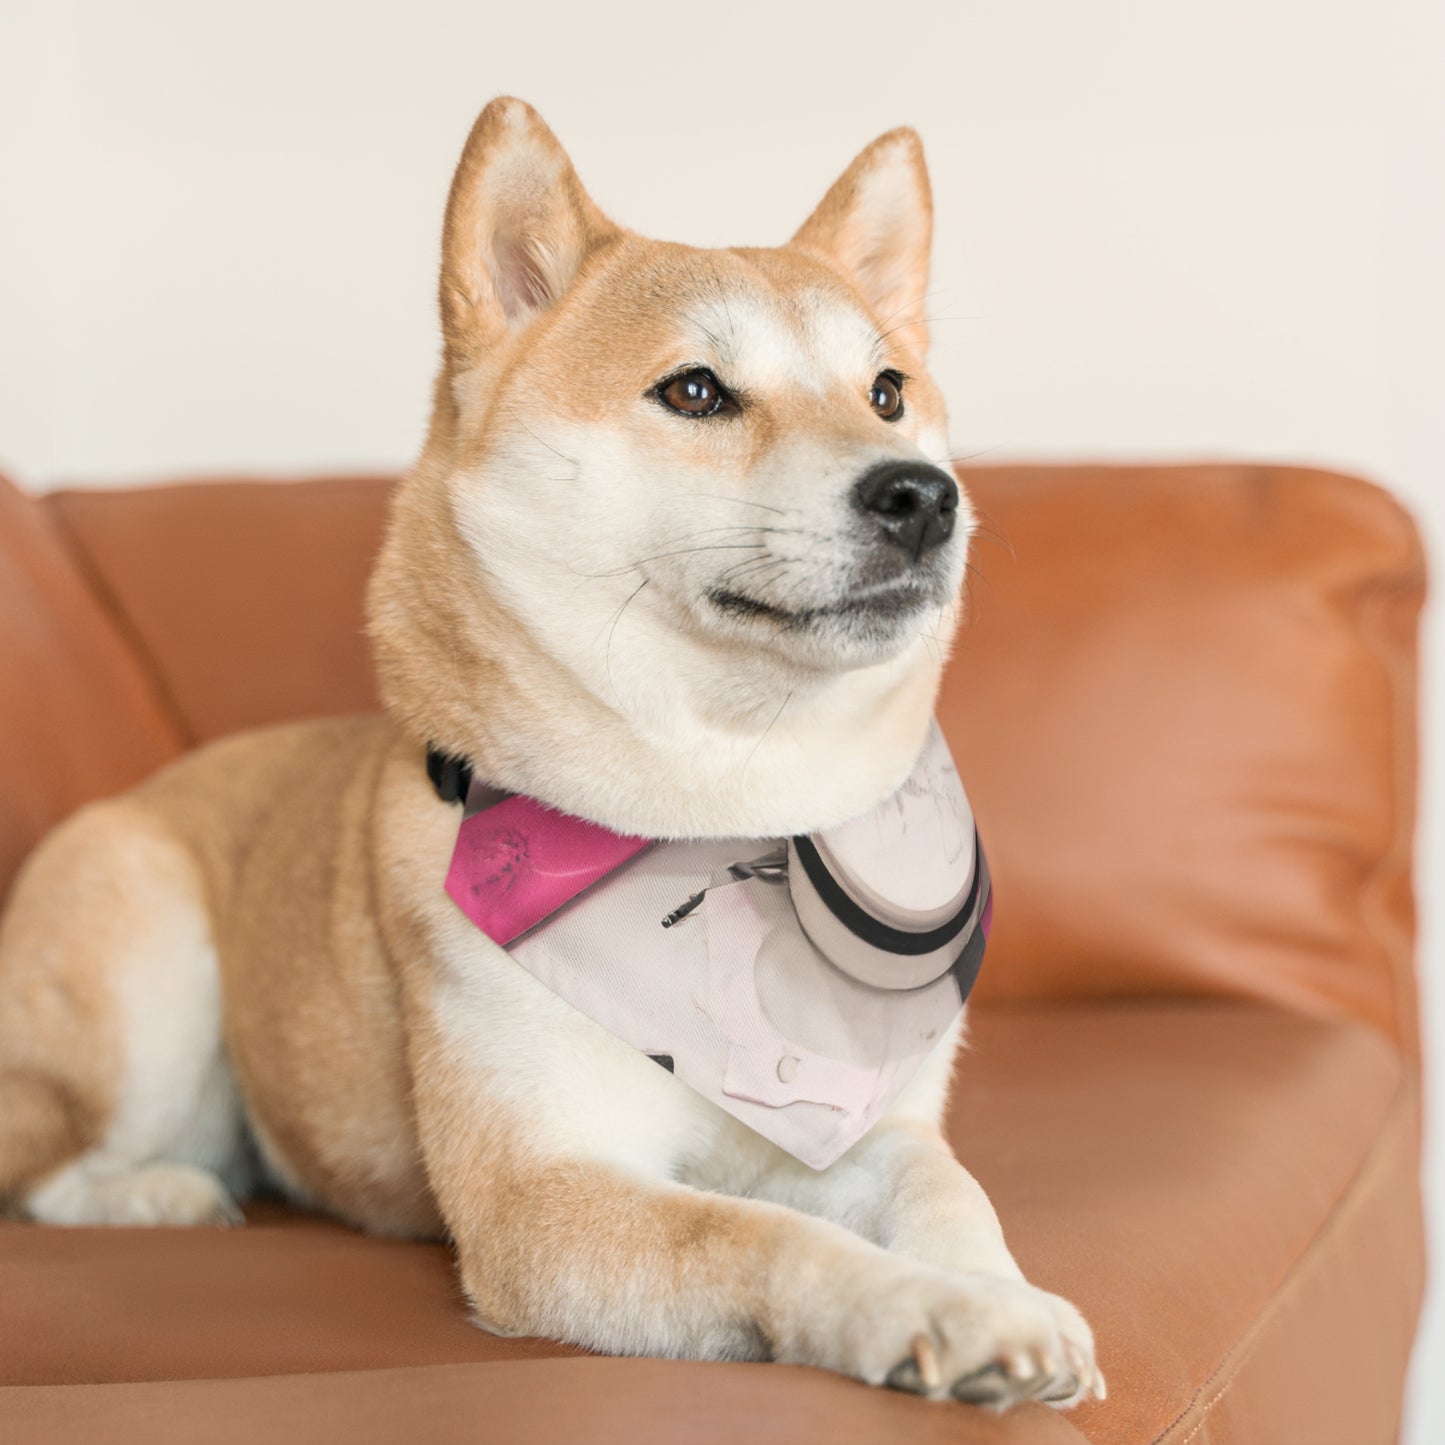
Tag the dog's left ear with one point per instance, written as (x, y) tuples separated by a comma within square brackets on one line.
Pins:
[(877, 223), (518, 228)]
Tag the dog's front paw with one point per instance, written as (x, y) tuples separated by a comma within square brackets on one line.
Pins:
[(979, 1338)]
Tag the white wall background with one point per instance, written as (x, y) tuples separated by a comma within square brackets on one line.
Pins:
[(1164, 229)]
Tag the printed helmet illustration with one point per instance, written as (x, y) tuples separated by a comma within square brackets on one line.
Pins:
[(894, 898)]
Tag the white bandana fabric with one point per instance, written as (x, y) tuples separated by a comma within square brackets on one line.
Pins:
[(698, 953)]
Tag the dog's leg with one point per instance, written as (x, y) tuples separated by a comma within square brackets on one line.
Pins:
[(553, 1184), (901, 1188), (586, 1252), (116, 1105)]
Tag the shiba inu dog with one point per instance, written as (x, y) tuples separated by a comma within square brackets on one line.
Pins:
[(678, 557)]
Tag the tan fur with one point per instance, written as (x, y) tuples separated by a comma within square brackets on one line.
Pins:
[(263, 923), (59, 1037)]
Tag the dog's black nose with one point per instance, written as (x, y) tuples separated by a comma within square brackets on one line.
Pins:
[(914, 504)]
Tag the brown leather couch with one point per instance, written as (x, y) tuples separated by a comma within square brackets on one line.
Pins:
[(1185, 707)]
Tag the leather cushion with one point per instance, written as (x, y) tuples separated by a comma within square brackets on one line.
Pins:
[(246, 596), (1183, 1172)]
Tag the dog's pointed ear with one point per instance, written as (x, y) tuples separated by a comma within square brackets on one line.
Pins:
[(877, 223), (518, 228)]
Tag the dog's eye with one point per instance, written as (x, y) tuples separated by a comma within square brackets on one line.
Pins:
[(694, 393), (886, 398)]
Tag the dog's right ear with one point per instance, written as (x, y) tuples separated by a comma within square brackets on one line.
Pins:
[(518, 228), (877, 223)]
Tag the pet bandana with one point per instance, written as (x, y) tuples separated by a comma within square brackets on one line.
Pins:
[(798, 983)]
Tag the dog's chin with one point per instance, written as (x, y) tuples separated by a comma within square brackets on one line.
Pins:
[(858, 629)]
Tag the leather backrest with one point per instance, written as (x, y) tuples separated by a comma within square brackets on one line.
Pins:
[(1183, 706), (246, 595), (79, 716)]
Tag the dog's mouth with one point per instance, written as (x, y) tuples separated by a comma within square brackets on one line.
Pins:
[(872, 605)]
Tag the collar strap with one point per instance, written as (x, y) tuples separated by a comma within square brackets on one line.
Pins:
[(450, 775)]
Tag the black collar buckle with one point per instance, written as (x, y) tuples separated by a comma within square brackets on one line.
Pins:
[(450, 775)]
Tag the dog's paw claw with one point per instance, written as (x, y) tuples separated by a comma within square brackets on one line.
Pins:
[(1062, 1389), (982, 1339), (905, 1376), (988, 1386), (925, 1355)]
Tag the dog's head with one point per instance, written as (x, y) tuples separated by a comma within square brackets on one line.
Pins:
[(692, 503)]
